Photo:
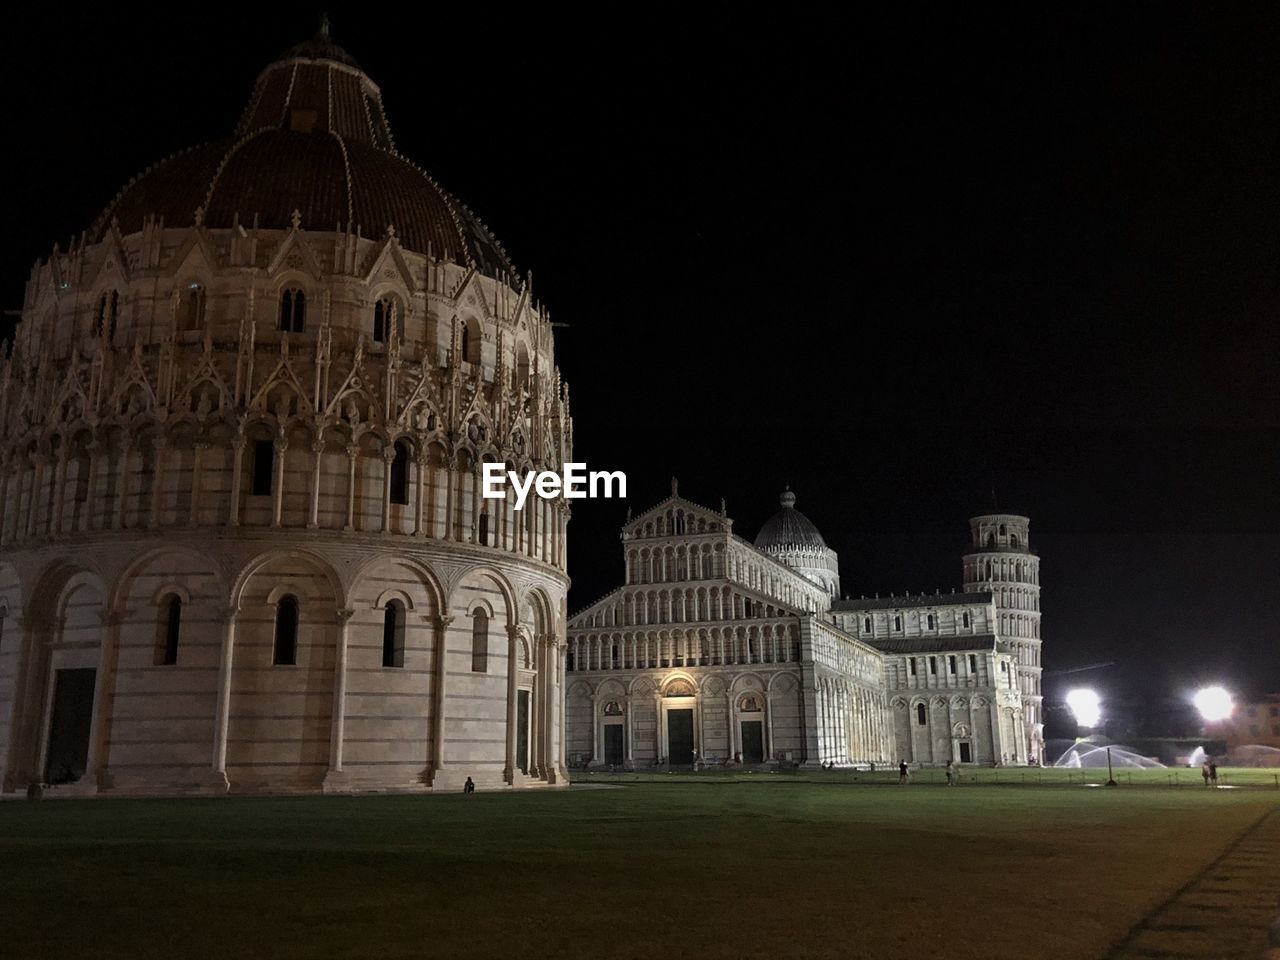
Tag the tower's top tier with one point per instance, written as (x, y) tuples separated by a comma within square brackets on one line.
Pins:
[(1001, 532), (314, 146)]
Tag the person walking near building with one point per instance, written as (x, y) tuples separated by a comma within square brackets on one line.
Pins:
[(902, 772), (951, 773), (1213, 772), (1204, 772)]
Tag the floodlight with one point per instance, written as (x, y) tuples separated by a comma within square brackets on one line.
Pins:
[(1086, 706), (1214, 704)]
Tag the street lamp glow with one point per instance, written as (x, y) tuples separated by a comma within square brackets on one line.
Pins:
[(1086, 706), (1214, 704)]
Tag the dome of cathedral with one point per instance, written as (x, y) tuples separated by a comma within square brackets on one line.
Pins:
[(313, 144), (789, 529)]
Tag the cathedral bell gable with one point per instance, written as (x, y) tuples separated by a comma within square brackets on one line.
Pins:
[(389, 264), (295, 254), (195, 256), (711, 521), (113, 263)]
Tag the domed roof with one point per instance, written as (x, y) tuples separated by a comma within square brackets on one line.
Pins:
[(314, 139), (789, 529)]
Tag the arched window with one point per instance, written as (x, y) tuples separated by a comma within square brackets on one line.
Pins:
[(479, 642), (966, 618), (104, 316), (897, 623), (393, 634), (1002, 529), (263, 457), (285, 652), (400, 473), (484, 529), (866, 625), (170, 628), (1013, 541), (293, 310), (470, 341), (991, 539), (931, 621), (193, 307), (522, 366), (384, 313), (921, 716)]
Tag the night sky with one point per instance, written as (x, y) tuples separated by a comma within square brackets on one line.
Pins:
[(899, 262)]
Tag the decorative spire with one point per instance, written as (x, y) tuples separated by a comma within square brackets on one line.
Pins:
[(323, 32), (788, 499)]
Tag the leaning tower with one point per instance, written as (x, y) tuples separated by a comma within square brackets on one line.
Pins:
[(1001, 561), (243, 542)]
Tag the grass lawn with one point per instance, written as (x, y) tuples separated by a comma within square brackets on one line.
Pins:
[(708, 868)]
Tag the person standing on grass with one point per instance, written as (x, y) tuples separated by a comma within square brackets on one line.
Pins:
[(902, 772), (1213, 772), (951, 773), (469, 786), (1204, 772)]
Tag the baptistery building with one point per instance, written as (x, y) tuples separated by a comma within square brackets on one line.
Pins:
[(716, 650), (242, 539)]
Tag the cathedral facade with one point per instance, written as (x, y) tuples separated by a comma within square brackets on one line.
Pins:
[(715, 650), (242, 539)]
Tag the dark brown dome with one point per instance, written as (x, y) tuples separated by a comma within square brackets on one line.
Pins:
[(314, 139)]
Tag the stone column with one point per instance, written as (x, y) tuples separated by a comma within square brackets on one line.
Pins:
[(513, 672), (122, 487), (437, 706), (421, 498), (197, 488), (338, 719), (103, 694), (313, 514), (731, 726), (237, 469), (768, 726), (450, 528), (6, 508), (659, 730), (38, 461), (159, 449), (222, 717), (475, 502), (562, 741), (551, 694), (388, 457), (353, 453), (628, 733), (277, 505), (59, 482)]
